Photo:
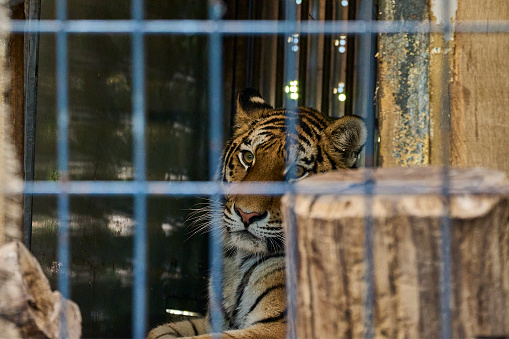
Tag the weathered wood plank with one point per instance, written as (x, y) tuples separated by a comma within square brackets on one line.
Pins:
[(403, 94), (480, 90)]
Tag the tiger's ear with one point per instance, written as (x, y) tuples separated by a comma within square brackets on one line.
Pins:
[(250, 106), (346, 137)]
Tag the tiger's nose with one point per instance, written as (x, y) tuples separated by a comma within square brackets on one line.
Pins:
[(251, 217)]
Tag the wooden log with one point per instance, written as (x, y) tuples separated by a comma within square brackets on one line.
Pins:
[(28, 307), (331, 266)]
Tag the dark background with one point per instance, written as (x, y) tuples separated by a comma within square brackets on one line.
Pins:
[(100, 141)]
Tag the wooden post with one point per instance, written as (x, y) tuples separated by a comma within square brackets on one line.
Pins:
[(403, 93), (9, 178), (15, 56), (331, 265)]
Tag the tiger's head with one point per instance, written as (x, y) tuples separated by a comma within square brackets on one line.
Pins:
[(257, 152)]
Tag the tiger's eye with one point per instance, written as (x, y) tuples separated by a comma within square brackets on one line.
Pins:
[(298, 171), (248, 157)]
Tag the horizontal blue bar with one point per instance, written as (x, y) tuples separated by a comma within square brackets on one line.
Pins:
[(207, 188), (240, 27)]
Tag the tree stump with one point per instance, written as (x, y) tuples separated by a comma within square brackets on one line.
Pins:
[(28, 307), (330, 256)]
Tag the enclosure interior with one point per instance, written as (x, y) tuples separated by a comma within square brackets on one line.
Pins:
[(177, 115)]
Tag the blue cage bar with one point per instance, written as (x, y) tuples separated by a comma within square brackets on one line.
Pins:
[(139, 159), (215, 83), (243, 27), (63, 162)]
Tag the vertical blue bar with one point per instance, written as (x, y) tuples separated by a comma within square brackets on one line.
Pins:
[(215, 71), (445, 222), (63, 161), (291, 125), (139, 159), (365, 100), (365, 107)]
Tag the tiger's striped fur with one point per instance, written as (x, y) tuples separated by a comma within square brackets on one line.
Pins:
[(254, 301)]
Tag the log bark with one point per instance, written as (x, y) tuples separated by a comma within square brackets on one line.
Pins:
[(331, 265), (28, 307)]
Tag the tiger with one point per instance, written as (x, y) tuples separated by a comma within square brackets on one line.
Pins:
[(254, 294)]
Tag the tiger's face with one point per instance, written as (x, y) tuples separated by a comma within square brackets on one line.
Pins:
[(257, 152)]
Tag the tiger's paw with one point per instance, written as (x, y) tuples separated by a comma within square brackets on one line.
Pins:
[(162, 332)]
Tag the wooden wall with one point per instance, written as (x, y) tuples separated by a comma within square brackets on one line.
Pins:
[(480, 89), (442, 98)]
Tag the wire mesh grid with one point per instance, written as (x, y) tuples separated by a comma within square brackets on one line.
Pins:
[(140, 188)]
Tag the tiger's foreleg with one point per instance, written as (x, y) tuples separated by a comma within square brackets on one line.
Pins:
[(276, 330), (185, 328)]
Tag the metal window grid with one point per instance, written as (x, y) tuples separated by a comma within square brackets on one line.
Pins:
[(215, 29)]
